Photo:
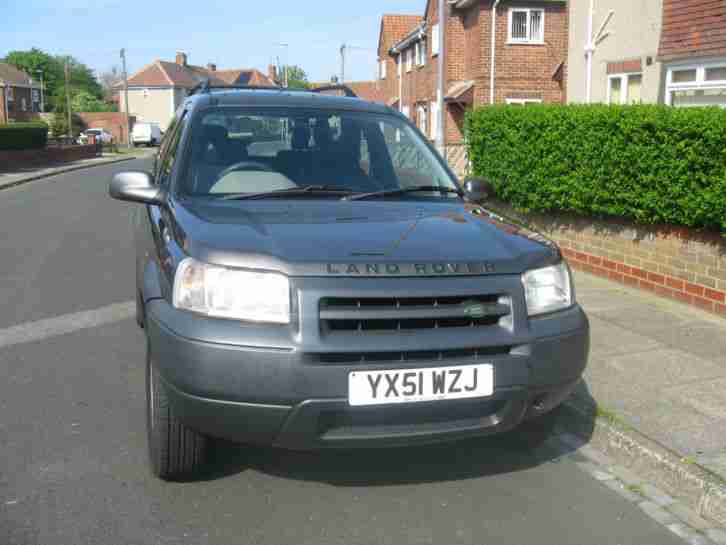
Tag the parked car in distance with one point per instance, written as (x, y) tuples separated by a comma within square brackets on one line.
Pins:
[(321, 279), (146, 133), (101, 135)]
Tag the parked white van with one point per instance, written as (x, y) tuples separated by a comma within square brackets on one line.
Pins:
[(146, 133)]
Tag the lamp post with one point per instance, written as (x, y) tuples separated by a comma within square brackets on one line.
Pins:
[(42, 91)]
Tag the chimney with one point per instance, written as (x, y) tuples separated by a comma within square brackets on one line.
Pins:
[(211, 67), (272, 72), (181, 58)]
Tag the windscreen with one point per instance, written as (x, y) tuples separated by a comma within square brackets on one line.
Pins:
[(236, 151)]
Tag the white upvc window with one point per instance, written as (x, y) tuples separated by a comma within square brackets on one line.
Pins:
[(382, 69), (702, 84), (421, 114), (408, 53), (526, 26), (435, 38), (523, 101), (434, 109), (625, 88), (421, 53)]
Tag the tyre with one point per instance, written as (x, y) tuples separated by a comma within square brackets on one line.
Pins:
[(175, 451)]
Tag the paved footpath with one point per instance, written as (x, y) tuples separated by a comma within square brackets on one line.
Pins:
[(660, 366)]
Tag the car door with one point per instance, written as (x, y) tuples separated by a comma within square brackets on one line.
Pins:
[(155, 264)]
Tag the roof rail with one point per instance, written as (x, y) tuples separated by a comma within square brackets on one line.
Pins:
[(336, 87), (207, 87)]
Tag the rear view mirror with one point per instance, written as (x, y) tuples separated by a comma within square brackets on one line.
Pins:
[(135, 187), (478, 189)]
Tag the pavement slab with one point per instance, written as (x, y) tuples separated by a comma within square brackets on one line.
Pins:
[(659, 366)]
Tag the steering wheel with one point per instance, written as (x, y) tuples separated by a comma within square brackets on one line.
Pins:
[(243, 166)]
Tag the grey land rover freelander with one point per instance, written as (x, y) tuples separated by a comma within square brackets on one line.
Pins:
[(310, 274)]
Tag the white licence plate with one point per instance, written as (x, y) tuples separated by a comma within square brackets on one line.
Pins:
[(414, 385)]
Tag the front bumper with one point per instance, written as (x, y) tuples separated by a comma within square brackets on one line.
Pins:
[(271, 393)]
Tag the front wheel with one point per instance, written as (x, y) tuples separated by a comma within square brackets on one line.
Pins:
[(175, 451)]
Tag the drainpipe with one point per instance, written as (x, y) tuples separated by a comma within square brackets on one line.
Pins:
[(494, 50), (399, 73), (441, 116), (589, 50)]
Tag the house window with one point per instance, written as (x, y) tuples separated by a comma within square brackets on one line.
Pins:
[(434, 109), (421, 53), (435, 36), (421, 114), (625, 89), (382, 69), (523, 101), (408, 54), (526, 26), (700, 85)]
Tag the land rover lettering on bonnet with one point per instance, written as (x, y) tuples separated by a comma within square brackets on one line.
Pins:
[(310, 274), (418, 269)]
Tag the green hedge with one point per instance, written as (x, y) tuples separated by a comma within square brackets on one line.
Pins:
[(20, 136), (651, 164)]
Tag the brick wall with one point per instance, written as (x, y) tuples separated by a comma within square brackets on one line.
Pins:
[(673, 262), (113, 122), (12, 160)]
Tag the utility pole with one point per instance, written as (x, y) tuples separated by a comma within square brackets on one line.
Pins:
[(42, 91), (342, 64), (440, 130), (66, 72), (126, 98)]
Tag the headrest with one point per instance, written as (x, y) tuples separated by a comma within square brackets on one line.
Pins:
[(215, 133), (300, 136), (322, 134)]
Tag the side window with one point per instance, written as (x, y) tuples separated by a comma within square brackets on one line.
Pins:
[(170, 150)]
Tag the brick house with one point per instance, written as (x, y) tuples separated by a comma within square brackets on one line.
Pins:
[(19, 95), (693, 52), (158, 89), (530, 52)]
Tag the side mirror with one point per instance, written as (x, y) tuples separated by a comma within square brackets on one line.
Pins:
[(135, 187), (478, 189)]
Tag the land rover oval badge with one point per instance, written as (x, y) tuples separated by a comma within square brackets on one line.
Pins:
[(474, 309)]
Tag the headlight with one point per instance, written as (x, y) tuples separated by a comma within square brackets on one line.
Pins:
[(547, 289), (232, 293)]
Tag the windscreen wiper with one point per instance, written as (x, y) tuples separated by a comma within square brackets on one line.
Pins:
[(291, 192), (403, 191)]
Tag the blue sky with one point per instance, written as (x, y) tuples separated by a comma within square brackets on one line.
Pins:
[(231, 33)]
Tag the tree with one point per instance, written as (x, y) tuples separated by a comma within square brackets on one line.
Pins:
[(83, 101), (34, 60), (82, 77), (110, 79), (297, 78)]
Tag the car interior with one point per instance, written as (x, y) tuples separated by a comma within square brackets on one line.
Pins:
[(352, 156)]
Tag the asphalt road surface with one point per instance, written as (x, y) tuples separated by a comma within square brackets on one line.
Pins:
[(72, 439)]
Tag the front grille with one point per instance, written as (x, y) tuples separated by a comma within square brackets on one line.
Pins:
[(424, 356), (412, 313)]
